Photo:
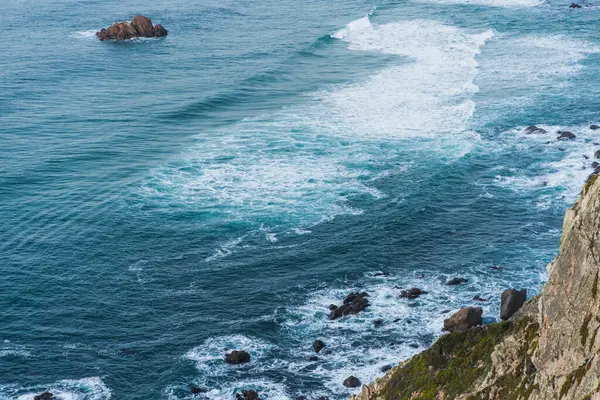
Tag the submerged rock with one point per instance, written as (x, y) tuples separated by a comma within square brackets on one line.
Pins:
[(594, 127), (412, 293), (595, 164), (479, 298), (237, 357), (354, 303), (566, 135), (197, 390), (318, 345), (464, 319), (534, 129), (574, 5), (44, 396), (597, 154), (352, 382), (511, 301), (247, 395), (457, 281), (140, 26)]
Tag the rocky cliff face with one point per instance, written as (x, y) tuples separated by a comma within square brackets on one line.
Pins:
[(548, 350)]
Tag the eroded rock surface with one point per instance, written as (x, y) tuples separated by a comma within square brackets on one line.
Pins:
[(140, 26)]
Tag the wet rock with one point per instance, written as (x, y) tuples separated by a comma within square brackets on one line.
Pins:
[(353, 304), (414, 345), (597, 154), (594, 127), (237, 357), (534, 129), (385, 368), (323, 398), (379, 274), (511, 301), (313, 358), (318, 345), (197, 390), (140, 26), (44, 396), (332, 307), (497, 267), (586, 156), (301, 398), (456, 281), (566, 135), (595, 164), (464, 319), (412, 293), (247, 395), (352, 382), (377, 323), (479, 298), (574, 5)]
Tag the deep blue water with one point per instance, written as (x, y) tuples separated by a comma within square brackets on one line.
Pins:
[(164, 201)]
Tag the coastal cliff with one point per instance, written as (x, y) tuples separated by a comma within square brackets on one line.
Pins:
[(548, 350)]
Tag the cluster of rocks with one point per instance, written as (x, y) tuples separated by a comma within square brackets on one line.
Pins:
[(353, 304), (140, 26)]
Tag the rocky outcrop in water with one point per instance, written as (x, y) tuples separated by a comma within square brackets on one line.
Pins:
[(247, 395), (318, 345), (548, 350), (237, 357), (140, 26), (412, 293), (353, 304), (511, 301), (44, 396)]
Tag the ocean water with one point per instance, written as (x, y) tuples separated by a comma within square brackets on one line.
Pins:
[(163, 201)]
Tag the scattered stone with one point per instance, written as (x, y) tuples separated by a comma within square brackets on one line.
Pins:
[(414, 345), (313, 358), (534, 129), (44, 396), (597, 154), (457, 281), (377, 323), (445, 311), (197, 390), (565, 135), (353, 304), (464, 319), (479, 298), (140, 26), (511, 301), (385, 368), (574, 5), (586, 156), (497, 267), (594, 127), (412, 293), (318, 345), (323, 398), (237, 357), (595, 164), (247, 395), (352, 382), (332, 307)]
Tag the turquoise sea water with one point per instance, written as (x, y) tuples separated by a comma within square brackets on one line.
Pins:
[(163, 201)]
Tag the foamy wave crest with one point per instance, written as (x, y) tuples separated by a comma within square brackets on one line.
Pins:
[(69, 389), (89, 34)]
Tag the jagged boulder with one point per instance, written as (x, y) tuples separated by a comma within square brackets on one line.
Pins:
[(237, 357), (534, 129), (318, 345), (352, 382), (354, 303), (412, 293), (247, 395), (511, 301), (464, 319), (140, 26)]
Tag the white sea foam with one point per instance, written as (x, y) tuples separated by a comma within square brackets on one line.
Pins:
[(89, 34), (491, 3), (91, 388), (307, 163)]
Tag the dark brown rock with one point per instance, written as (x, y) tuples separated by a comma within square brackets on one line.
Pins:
[(412, 293), (352, 382), (353, 304), (237, 357), (318, 345), (464, 319), (534, 129), (566, 135), (457, 281), (197, 390), (511, 301), (140, 26), (247, 395)]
